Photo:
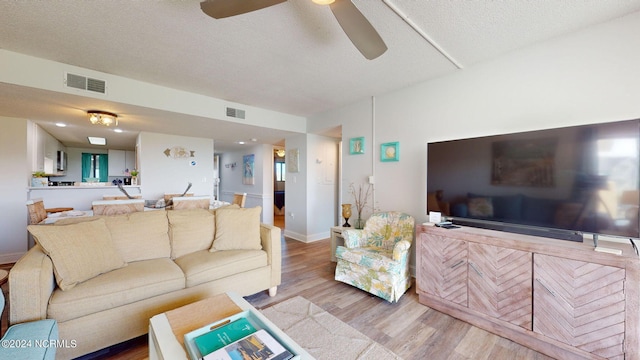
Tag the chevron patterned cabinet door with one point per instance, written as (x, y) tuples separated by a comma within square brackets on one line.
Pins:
[(581, 304), (443, 261), (500, 283)]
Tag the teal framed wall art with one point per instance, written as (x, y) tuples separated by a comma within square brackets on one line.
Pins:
[(390, 151), (356, 146)]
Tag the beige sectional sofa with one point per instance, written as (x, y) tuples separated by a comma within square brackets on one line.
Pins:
[(102, 278)]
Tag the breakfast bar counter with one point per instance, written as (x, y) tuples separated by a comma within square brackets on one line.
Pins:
[(77, 197)]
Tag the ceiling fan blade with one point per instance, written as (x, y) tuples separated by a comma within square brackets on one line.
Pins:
[(358, 29), (225, 8)]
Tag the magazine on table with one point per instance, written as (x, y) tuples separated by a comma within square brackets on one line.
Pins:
[(223, 335), (259, 345)]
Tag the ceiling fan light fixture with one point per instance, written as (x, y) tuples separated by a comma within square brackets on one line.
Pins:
[(97, 117), (324, 2)]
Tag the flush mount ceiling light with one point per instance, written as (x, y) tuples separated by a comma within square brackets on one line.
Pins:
[(97, 140), (323, 2), (280, 152), (102, 118)]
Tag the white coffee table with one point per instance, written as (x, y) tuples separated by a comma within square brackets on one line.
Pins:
[(166, 330)]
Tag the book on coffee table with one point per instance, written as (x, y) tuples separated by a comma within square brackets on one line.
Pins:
[(258, 346), (223, 335)]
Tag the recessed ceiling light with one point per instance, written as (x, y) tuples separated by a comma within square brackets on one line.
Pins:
[(241, 142), (60, 124), (118, 130), (254, 139), (97, 140)]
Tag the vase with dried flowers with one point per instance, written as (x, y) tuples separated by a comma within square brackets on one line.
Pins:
[(360, 195)]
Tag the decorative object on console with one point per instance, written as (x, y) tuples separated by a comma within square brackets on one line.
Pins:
[(97, 117), (390, 151), (356, 146), (346, 214)]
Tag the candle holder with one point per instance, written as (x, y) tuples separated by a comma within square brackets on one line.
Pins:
[(346, 214)]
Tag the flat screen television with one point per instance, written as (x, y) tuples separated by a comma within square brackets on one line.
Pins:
[(560, 183)]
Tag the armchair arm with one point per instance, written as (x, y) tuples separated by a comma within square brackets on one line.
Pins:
[(353, 238), (31, 282), (401, 249)]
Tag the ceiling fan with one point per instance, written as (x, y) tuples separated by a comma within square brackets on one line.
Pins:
[(353, 23)]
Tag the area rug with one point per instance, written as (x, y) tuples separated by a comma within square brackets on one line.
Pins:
[(323, 335)]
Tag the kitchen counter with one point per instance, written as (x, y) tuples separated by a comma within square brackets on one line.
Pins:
[(90, 187), (77, 197)]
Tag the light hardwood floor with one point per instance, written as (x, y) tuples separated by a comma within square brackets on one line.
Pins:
[(411, 330)]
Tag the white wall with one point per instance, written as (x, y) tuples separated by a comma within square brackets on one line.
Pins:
[(311, 193), (322, 167), (161, 174), (587, 77), (13, 188)]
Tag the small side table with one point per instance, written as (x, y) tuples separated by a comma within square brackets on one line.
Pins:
[(336, 240)]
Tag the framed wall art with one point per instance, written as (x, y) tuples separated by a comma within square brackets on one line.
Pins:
[(390, 151), (293, 160), (356, 146), (248, 164)]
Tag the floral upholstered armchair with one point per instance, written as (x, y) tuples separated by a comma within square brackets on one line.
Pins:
[(376, 258)]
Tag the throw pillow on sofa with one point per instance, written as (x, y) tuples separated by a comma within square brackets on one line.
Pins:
[(237, 229), (79, 252), (190, 231)]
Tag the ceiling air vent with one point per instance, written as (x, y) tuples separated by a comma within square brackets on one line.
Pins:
[(85, 83), (236, 113)]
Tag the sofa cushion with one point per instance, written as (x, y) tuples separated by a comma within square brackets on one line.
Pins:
[(237, 229), (138, 281), (141, 235), (190, 230), (203, 266), (79, 252)]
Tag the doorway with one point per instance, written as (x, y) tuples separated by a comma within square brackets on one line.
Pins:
[(279, 180)]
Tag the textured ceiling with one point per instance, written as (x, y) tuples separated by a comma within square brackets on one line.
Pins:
[(292, 57)]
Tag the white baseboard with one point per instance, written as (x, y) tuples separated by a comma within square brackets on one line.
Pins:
[(306, 238)]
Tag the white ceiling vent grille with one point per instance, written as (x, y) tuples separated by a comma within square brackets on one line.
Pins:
[(85, 83), (236, 113)]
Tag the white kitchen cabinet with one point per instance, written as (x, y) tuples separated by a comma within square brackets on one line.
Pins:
[(45, 151)]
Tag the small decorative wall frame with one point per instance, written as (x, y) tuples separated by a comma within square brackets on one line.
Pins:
[(293, 160), (390, 151), (356, 146)]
